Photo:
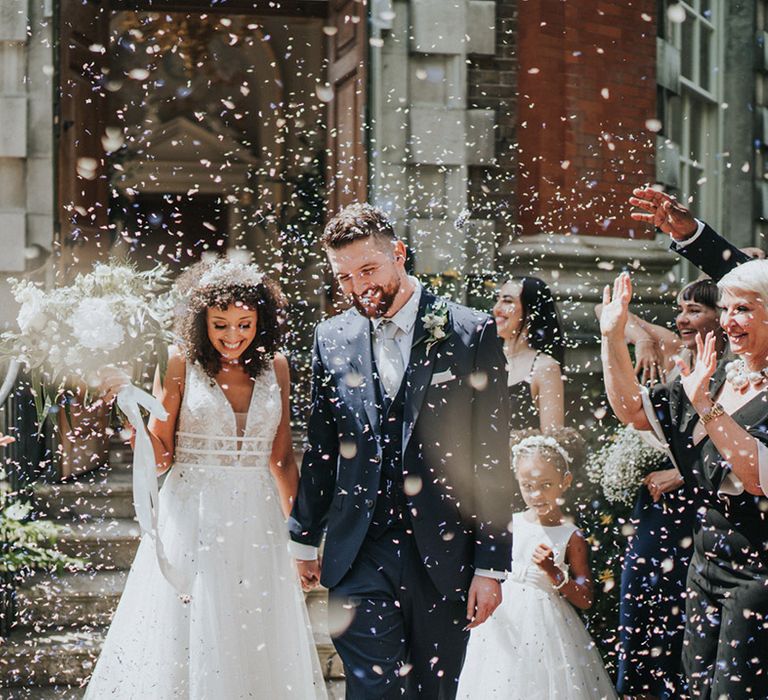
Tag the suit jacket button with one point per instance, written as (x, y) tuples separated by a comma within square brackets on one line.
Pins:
[(369, 503)]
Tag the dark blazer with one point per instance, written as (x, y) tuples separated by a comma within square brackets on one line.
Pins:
[(712, 254), (455, 447)]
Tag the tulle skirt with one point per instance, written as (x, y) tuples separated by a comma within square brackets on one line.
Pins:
[(535, 647), (244, 631)]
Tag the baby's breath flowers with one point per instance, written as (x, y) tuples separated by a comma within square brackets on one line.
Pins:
[(621, 463)]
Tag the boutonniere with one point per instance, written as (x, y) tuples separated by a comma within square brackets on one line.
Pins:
[(435, 321)]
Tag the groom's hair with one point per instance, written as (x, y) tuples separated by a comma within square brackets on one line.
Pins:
[(355, 222)]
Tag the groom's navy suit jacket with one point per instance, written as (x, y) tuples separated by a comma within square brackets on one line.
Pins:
[(455, 447)]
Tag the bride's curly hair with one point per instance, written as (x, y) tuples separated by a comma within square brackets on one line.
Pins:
[(191, 325)]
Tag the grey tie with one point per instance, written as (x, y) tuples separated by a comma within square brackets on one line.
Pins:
[(390, 360)]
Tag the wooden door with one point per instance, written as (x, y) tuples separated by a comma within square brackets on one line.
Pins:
[(347, 178), (82, 185)]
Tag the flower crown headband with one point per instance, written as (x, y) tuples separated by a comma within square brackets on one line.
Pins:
[(534, 442), (224, 272)]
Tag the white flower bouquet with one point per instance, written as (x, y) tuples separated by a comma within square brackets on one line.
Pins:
[(114, 315), (620, 464)]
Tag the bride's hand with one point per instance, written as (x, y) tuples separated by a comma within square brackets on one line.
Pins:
[(695, 380), (613, 319), (111, 381), (309, 573), (6, 440)]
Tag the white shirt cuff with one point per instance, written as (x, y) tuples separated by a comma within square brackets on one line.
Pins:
[(303, 552), (498, 575), (762, 466), (688, 241)]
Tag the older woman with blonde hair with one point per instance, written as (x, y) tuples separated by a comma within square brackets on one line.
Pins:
[(714, 421)]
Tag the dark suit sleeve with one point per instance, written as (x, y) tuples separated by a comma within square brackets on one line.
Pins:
[(318, 468), (712, 254), (490, 446)]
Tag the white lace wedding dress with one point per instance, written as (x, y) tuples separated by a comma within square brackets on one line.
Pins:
[(244, 632)]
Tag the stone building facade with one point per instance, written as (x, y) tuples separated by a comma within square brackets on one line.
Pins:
[(502, 135)]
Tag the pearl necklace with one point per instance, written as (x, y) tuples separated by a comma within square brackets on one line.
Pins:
[(737, 374)]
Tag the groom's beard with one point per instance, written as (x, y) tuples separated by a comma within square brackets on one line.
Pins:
[(384, 296)]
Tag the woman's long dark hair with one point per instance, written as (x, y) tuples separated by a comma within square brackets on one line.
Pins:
[(541, 318)]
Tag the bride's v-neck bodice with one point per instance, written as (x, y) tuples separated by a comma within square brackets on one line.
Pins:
[(208, 432)]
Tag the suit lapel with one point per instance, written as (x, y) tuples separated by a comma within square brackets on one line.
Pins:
[(420, 368), (361, 362)]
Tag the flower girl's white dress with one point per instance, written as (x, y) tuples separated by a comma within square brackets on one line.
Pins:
[(244, 632), (535, 645)]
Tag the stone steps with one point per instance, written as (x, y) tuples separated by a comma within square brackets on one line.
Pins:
[(70, 600), (62, 619), (103, 545), (93, 497)]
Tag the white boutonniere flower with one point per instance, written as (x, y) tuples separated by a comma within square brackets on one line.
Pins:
[(435, 321)]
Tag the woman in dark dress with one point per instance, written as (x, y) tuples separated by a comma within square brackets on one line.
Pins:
[(715, 424), (528, 322), (655, 566)]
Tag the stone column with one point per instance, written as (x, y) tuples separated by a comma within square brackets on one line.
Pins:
[(26, 137), (424, 137)]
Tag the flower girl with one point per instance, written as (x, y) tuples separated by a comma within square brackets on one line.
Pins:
[(535, 645)]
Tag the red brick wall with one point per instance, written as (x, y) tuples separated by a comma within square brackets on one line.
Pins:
[(586, 87)]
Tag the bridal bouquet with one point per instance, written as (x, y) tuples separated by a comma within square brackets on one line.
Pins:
[(620, 464), (114, 315)]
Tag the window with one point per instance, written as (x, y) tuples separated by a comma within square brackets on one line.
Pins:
[(692, 119)]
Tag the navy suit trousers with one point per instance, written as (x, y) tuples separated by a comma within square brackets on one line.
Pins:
[(397, 636)]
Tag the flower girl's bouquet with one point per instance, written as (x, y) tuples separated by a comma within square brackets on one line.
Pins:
[(619, 466), (114, 315)]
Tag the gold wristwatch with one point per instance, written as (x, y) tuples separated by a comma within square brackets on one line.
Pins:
[(714, 412)]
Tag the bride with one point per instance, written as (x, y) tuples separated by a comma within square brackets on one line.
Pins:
[(243, 630)]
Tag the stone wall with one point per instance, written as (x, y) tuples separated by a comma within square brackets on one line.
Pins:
[(426, 135), (26, 138)]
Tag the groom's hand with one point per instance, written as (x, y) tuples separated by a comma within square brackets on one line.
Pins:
[(484, 598), (309, 573)]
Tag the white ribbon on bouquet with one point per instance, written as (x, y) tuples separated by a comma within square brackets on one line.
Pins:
[(131, 399)]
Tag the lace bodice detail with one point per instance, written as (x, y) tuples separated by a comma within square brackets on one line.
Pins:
[(208, 431), (526, 536)]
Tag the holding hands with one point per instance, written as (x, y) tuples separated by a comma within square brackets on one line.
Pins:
[(309, 573), (664, 212)]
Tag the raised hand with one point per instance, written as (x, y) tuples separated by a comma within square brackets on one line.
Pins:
[(544, 558), (664, 212), (613, 319), (695, 379)]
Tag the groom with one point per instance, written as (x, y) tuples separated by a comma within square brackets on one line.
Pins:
[(407, 467)]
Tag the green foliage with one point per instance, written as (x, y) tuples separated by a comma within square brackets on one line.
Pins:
[(27, 545)]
